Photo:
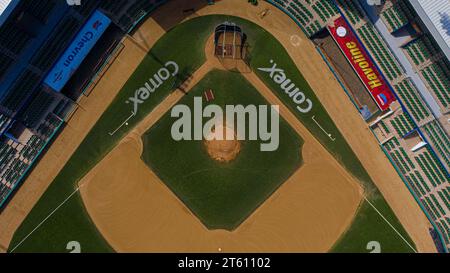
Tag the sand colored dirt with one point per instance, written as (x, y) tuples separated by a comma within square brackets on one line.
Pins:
[(140, 214), (142, 198), (135, 211), (222, 144)]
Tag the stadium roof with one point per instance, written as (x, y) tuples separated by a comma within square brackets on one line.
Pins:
[(435, 15), (3, 5), (6, 7)]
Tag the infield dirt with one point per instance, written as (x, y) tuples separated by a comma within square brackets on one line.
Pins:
[(308, 213)]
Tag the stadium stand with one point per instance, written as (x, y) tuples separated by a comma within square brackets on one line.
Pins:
[(394, 16), (33, 37), (311, 15), (412, 137), (410, 133)]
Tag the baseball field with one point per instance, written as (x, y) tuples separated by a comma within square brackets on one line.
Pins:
[(130, 187)]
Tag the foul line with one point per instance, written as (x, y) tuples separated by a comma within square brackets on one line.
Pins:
[(45, 219), (328, 134), (396, 231), (121, 125)]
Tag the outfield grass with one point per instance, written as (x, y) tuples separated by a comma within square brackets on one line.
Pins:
[(368, 226), (222, 195), (71, 222)]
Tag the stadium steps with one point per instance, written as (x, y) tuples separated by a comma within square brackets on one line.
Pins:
[(313, 15), (415, 104), (439, 83), (21, 90), (373, 41), (59, 40), (439, 139), (352, 10), (394, 18)]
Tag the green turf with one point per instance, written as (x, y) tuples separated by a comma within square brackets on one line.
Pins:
[(71, 223), (370, 227), (222, 195)]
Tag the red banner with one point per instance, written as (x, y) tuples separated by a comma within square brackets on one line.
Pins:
[(361, 63)]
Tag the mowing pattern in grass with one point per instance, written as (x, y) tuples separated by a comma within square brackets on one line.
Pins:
[(185, 45), (222, 195)]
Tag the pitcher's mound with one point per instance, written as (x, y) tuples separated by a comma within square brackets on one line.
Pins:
[(221, 149)]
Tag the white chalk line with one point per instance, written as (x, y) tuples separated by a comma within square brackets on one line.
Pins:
[(45, 219), (320, 126), (121, 125), (396, 231)]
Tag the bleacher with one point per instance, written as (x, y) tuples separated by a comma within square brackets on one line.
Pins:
[(439, 81), (12, 39), (125, 12), (312, 15), (413, 101), (439, 139), (402, 124), (325, 9), (418, 51), (16, 158), (394, 17), (380, 51), (61, 37), (87, 8), (432, 168), (5, 64), (37, 109), (39, 9), (21, 90), (352, 10)]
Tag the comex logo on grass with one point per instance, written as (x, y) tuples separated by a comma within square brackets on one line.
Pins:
[(169, 70), (216, 128), (278, 75)]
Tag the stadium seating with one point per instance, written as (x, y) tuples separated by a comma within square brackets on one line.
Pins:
[(88, 8), (410, 96), (5, 64), (432, 168), (352, 10), (37, 109), (39, 9), (311, 15), (439, 83), (402, 125), (439, 139), (418, 51), (13, 39), (394, 17), (21, 90), (59, 40), (380, 51)]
